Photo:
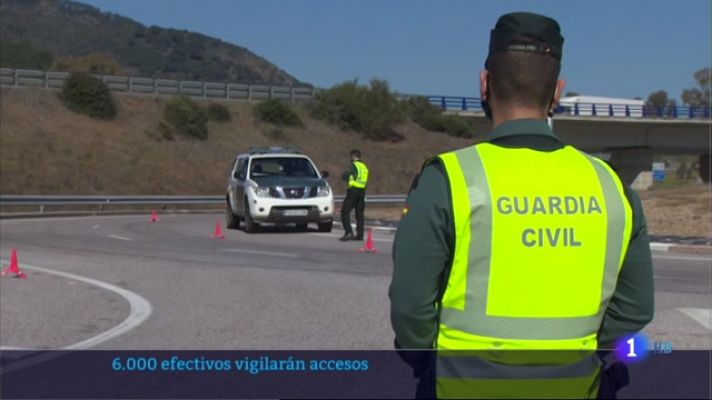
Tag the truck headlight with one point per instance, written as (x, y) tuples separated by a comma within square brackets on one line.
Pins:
[(262, 191), (322, 191)]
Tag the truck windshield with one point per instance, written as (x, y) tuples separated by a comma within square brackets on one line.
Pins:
[(282, 166)]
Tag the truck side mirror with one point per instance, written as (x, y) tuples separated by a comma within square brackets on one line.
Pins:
[(324, 174)]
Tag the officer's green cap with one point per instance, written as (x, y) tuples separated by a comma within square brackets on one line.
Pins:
[(523, 31)]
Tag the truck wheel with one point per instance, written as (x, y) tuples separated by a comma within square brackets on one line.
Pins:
[(231, 220), (250, 225), (326, 226)]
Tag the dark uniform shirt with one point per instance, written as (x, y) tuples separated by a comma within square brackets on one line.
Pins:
[(424, 244), (351, 171)]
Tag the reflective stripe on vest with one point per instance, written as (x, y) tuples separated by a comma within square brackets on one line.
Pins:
[(477, 375), (536, 260), (361, 178)]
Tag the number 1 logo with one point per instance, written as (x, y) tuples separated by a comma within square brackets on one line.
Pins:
[(631, 349), (631, 344)]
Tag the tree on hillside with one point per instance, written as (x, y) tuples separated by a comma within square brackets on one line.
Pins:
[(571, 94), (93, 63), (24, 55), (85, 94), (69, 28), (660, 99), (698, 96)]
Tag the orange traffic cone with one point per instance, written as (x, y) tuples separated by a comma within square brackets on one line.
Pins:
[(14, 268), (369, 243), (218, 231), (154, 216)]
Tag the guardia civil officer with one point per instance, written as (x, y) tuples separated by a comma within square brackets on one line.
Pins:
[(356, 177), (521, 241)]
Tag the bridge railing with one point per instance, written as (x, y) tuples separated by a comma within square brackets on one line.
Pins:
[(472, 104), (453, 103), (634, 111)]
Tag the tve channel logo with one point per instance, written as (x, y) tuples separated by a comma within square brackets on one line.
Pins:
[(636, 348)]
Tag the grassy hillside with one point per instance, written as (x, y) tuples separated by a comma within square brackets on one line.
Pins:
[(31, 29), (47, 149)]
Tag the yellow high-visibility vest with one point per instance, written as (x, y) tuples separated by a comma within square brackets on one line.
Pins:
[(361, 178), (539, 241)]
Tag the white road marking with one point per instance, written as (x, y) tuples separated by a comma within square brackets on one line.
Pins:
[(660, 246), (384, 228), (681, 257), (330, 235), (120, 237), (95, 227), (140, 311), (338, 227), (701, 315), (81, 218), (267, 253)]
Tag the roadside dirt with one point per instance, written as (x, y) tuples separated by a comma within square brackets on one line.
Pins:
[(679, 211)]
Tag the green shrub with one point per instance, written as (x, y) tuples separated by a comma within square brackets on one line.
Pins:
[(457, 126), (277, 113), (24, 55), (371, 110), (430, 122), (218, 113), (431, 118), (165, 130), (186, 117), (85, 94), (421, 105), (275, 133)]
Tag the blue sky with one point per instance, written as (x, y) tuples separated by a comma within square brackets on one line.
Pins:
[(617, 48)]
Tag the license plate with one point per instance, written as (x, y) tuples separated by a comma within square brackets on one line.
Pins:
[(296, 213)]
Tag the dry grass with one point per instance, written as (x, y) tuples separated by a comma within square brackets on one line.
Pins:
[(45, 149), (49, 150)]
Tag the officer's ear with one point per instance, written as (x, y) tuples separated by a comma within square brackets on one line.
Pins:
[(557, 92), (484, 81)]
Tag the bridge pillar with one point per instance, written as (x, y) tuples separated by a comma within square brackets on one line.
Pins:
[(705, 168), (629, 162)]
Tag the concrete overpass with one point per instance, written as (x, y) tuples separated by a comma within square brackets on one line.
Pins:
[(628, 143)]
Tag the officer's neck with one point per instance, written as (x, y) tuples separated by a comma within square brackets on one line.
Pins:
[(506, 115)]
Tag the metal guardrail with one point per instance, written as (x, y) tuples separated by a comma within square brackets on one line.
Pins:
[(450, 103), (242, 91), (42, 201), (213, 90)]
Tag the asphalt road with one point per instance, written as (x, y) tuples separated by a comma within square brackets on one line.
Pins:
[(124, 283)]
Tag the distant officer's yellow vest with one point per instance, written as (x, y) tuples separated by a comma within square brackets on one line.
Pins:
[(361, 178), (539, 240)]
